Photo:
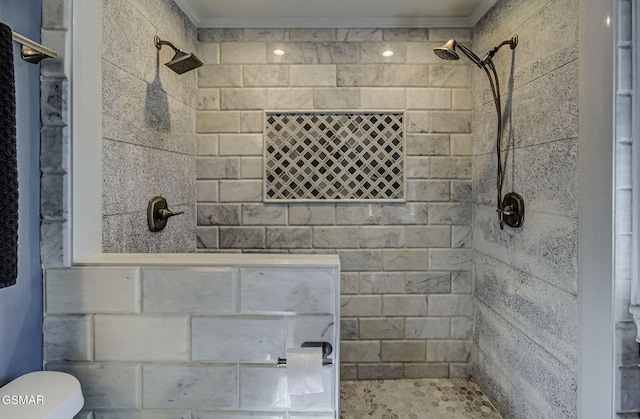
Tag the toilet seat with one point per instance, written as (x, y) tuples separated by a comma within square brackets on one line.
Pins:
[(41, 395)]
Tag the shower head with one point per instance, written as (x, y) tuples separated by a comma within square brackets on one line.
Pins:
[(448, 52), (181, 61)]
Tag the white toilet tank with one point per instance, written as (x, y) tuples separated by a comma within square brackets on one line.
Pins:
[(40, 395)]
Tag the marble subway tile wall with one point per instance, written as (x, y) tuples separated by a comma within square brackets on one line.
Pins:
[(192, 341), (54, 135), (525, 280), (406, 267), (627, 396), (149, 115)]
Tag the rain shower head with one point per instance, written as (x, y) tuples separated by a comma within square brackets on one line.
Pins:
[(181, 61)]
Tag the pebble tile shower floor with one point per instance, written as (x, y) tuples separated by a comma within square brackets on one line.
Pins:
[(414, 399)]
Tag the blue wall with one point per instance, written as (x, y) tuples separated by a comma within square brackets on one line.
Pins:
[(21, 304)]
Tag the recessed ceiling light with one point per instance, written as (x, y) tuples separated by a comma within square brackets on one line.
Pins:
[(387, 53), (278, 52)]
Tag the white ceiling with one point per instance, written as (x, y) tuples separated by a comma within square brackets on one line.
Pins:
[(334, 13)]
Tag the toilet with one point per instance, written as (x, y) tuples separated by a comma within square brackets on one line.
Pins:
[(41, 395)]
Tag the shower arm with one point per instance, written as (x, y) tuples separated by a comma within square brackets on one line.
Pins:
[(159, 43)]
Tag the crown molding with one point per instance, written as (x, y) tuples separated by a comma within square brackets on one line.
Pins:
[(480, 11), (337, 22), (185, 6)]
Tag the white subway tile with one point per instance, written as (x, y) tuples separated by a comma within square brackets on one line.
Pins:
[(404, 305), (428, 236), (141, 338), (209, 52), (360, 306), (428, 98), (382, 98), (301, 329), (405, 260), (194, 386), (427, 328), (243, 99), (361, 260), (411, 75), (266, 34), (240, 145), (461, 144), (451, 305), (450, 259), (294, 290), (335, 237), (188, 290), (241, 191), (92, 290), (238, 339), (105, 385), (220, 76), (243, 53), (336, 98), (251, 121), (359, 34), (448, 351), (266, 75), (217, 121), (360, 75), (381, 236), (294, 53), (313, 75), (267, 388), (462, 99), (360, 351), (382, 283), (207, 145), (68, 338), (260, 214), (208, 99), (402, 351), (294, 98)]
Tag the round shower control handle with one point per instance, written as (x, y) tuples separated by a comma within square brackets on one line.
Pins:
[(512, 211)]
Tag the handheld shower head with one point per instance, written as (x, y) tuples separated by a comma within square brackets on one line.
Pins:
[(181, 61), (447, 51)]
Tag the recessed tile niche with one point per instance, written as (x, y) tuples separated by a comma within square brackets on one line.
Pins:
[(334, 157)]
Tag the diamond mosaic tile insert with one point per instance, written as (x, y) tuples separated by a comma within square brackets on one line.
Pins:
[(334, 157)]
